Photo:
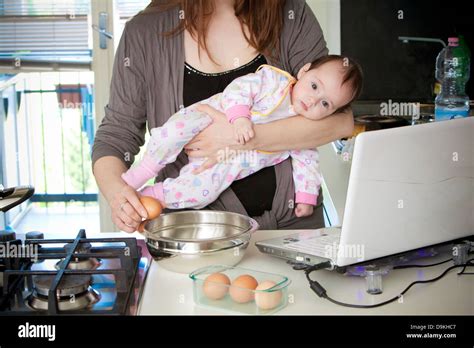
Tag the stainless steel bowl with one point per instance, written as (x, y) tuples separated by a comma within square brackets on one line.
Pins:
[(187, 240)]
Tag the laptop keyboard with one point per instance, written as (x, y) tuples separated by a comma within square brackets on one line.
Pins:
[(316, 246)]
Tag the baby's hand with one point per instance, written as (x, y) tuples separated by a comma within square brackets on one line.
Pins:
[(302, 210), (243, 129)]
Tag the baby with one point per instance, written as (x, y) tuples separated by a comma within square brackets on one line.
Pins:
[(323, 87)]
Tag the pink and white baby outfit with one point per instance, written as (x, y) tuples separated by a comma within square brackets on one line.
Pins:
[(263, 96)]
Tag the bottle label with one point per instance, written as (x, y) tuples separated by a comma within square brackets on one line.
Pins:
[(442, 114)]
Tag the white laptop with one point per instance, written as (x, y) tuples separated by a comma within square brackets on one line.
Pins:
[(409, 187)]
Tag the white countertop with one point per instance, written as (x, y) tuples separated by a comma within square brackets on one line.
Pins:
[(168, 293)]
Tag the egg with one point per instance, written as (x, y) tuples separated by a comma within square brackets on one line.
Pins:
[(267, 300), (216, 286), (141, 227), (241, 290), (152, 206)]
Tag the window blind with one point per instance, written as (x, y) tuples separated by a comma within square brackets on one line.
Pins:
[(128, 8), (45, 32)]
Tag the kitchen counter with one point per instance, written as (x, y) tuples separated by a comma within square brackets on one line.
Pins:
[(168, 293)]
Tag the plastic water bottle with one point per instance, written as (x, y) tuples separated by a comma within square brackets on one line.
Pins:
[(452, 70)]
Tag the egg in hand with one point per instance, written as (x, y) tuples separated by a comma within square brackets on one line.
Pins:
[(153, 208)]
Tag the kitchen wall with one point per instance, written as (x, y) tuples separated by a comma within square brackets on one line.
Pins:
[(393, 69), (368, 31)]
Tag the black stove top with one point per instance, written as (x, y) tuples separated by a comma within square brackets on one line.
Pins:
[(71, 276)]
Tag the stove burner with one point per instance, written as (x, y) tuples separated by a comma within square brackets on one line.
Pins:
[(78, 263), (69, 285), (82, 248), (74, 292), (104, 276)]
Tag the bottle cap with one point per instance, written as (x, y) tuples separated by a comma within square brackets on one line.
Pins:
[(453, 41)]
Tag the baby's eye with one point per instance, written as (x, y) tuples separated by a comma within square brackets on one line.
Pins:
[(313, 85), (325, 104)]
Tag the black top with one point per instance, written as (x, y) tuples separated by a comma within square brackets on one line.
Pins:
[(256, 191)]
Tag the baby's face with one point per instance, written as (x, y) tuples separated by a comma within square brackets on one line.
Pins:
[(319, 92)]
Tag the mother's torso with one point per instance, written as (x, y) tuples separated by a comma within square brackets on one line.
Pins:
[(226, 44)]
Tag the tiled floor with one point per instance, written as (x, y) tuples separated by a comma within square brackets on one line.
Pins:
[(60, 219)]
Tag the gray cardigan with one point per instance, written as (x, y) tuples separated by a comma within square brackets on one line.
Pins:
[(147, 86)]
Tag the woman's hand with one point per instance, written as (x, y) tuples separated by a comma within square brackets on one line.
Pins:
[(127, 211), (216, 137)]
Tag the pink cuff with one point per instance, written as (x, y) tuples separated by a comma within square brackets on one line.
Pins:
[(137, 176), (306, 198), (237, 111), (151, 164)]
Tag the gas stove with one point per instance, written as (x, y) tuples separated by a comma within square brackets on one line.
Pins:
[(83, 275)]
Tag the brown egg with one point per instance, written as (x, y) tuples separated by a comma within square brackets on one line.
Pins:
[(141, 227), (267, 300), (216, 286), (241, 289), (152, 206)]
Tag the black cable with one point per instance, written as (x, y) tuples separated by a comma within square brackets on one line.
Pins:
[(430, 265), (468, 263), (321, 292), (318, 266), (421, 266)]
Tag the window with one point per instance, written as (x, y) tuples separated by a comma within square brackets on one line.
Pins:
[(44, 32), (39, 33)]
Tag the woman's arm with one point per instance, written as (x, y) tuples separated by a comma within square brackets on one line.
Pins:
[(122, 131), (298, 133), (294, 133), (123, 199)]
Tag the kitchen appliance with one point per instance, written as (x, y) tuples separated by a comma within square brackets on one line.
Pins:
[(370, 122), (72, 276), (409, 187), (375, 122), (186, 240), (13, 196)]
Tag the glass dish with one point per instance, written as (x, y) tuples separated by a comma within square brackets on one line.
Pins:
[(266, 301)]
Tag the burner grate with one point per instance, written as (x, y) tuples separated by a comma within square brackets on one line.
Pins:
[(117, 279)]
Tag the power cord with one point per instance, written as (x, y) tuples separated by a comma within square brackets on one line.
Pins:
[(422, 266), (321, 292)]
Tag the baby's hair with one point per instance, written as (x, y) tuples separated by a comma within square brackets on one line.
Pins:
[(352, 74)]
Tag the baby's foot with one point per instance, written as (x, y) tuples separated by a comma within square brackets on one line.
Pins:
[(155, 191)]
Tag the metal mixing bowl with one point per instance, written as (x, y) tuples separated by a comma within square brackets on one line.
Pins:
[(187, 240)]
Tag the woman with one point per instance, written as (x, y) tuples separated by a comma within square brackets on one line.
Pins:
[(176, 53)]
